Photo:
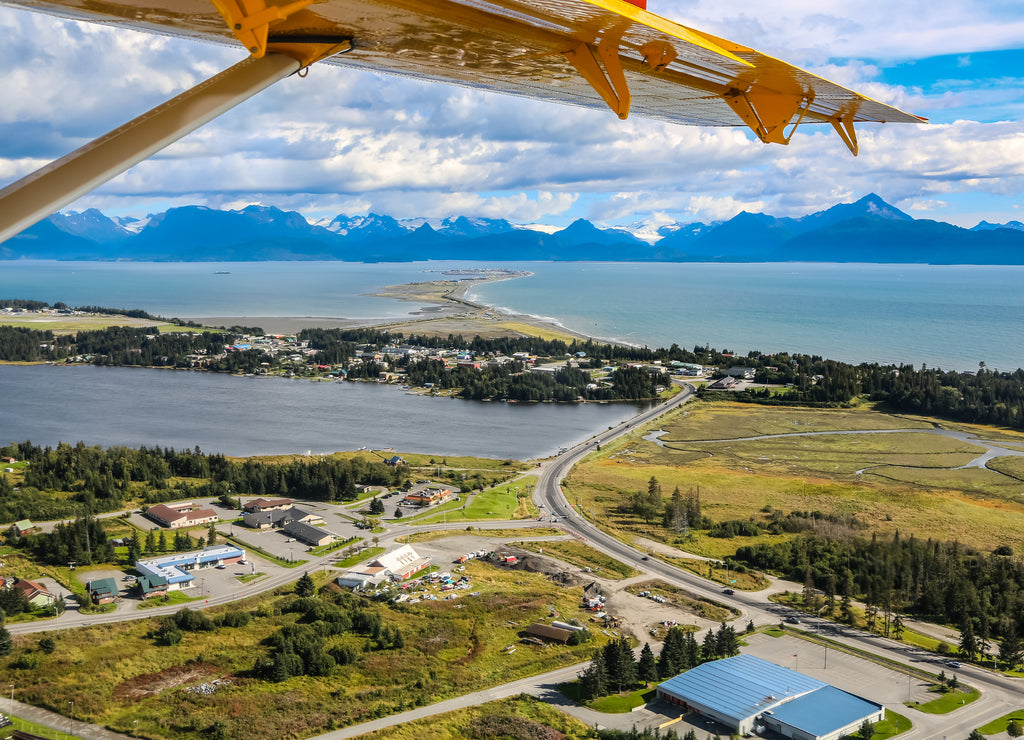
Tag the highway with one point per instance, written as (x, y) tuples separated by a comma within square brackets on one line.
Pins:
[(1000, 694)]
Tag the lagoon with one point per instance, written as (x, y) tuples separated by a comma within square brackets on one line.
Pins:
[(258, 416)]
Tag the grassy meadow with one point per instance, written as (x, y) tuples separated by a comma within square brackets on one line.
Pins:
[(117, 673), (515, 717), (898, 480)]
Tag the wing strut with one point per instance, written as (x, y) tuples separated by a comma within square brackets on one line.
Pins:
[(53, 186), (610, 82), (768, 113)]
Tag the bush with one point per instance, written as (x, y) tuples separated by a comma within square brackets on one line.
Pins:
[(235, 619), (47, 644)]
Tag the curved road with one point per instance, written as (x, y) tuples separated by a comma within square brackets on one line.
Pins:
[(1000, 694)]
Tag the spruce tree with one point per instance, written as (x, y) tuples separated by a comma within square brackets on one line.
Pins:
[(647, 667), (6, 642), (709, 647), (594, 680), (968, 644), (305, 587)]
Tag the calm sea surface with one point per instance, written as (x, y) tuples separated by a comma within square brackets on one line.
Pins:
[(255, 416), (949, 317)]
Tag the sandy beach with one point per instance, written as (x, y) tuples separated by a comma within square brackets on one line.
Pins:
[(443, 310)]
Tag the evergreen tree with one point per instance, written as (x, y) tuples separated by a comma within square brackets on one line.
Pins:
[(709, 647), (594, 680), (1010, 650), (305, 587), (620, 664), (867, 729), (376, 506), (968, 643), (692, 649), (726, 642), (6, 642), (1014, 729), (161, 544), (211, 535), (897, 627), (647, 667)]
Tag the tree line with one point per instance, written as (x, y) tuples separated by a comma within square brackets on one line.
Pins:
[(97, 479), (613, 667), (943, 582)]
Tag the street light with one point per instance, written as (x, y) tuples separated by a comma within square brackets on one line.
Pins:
[(11, 687)]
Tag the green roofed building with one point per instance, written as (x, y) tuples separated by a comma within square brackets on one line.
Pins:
[(103, 590), (152, 586), (748, 695)]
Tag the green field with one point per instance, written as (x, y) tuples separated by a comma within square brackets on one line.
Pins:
[(948, 702), (117, 673), (496, 533), (906, 483), (520, 716), (998, 726), (892, 725), (359, 557), (499, 503)]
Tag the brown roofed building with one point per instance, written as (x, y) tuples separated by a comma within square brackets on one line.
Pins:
[(178, 516), (37, 594), (548, 632), (263, 504)]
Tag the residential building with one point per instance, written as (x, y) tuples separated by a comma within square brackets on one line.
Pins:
[(429, 494), (23, 527), (150, 587), (749, 695), (180, 515), (262, 504), (38, 596), (103, 591), (280, 517)]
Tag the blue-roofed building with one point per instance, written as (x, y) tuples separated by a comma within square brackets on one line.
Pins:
[(176, 570), (744, 693)]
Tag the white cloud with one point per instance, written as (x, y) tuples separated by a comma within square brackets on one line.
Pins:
[(348, 141)]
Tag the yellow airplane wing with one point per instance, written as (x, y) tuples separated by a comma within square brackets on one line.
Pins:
[(592, 53)]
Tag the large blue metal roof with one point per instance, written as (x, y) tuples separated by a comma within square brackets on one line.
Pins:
[(740, 686), (825, 711)]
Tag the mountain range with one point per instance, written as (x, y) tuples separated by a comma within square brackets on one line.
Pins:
[(869, 230)]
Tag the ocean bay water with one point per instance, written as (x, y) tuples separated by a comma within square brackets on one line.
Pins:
[(953, 317), (254, 416), (950, 317)]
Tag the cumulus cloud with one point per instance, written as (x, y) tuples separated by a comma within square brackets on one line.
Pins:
[(346, 141)]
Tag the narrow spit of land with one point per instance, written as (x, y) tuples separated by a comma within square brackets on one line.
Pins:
[(444, 310)]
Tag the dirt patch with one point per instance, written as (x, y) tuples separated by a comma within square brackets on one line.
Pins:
[(531, 562), (152, 684)]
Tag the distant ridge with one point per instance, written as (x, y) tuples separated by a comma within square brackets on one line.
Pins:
[(869, 230)]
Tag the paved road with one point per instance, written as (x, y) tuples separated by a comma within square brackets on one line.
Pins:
[(1000, 694)]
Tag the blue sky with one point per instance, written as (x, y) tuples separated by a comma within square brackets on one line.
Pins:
[(351, 142)]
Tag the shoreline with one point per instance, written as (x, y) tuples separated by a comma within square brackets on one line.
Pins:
[(444, 310)]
